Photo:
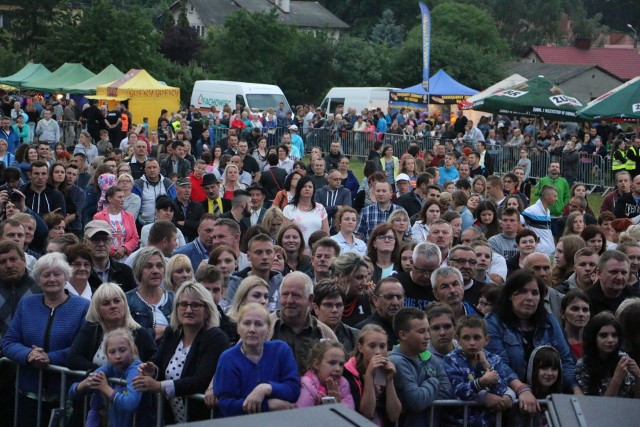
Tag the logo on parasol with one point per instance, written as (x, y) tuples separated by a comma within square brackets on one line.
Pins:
[(559, 100), (635, 108), (511, 93)]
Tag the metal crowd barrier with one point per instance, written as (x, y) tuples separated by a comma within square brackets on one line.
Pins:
[(64, 388), (465, 405), (594, 170)]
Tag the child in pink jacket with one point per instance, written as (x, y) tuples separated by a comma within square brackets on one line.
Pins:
[(324, 377)]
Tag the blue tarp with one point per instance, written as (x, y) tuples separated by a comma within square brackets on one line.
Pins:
[(442, 90)]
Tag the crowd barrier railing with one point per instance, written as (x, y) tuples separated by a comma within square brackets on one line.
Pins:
[(57, 416), (594, 170)]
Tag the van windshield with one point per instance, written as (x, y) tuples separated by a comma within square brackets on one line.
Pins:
[(265, 101)]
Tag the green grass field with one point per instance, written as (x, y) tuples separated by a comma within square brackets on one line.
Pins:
[(357, 165)]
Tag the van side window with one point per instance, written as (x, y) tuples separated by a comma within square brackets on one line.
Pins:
[(240, 100)]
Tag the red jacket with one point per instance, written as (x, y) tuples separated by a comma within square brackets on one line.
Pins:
[(131, 233), (197, 190)]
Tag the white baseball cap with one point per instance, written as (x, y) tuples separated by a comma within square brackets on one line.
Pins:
[(293, 127), (403, 177)]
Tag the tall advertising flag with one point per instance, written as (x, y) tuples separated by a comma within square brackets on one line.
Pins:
[(426, 44)]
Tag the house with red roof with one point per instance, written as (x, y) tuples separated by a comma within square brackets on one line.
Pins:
[(621, 62)]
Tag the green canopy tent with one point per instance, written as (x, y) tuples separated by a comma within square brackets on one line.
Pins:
[(66, 76), (28, 73), (622, 102), (534, 97), (88, 87)]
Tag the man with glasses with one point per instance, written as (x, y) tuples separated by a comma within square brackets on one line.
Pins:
[(448, 289), (388, 299), (333, 195), (464, 259), (417, 282), (540, 264), (97, 236)]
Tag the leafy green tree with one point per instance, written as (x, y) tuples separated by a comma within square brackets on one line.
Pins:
[(12, 60), (129, 41), (34, 22), (180, 42), (248, 46), (362, 15), (473, 53), (387, 31)]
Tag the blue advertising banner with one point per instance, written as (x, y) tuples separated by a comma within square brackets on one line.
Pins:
[(426, 44)]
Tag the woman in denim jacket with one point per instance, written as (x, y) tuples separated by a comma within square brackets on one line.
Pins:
[(521, 324)]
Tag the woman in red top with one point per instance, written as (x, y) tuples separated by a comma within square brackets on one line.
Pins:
[(123, 224), (230, 181)]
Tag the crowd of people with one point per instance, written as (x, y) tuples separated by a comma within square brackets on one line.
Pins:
[(240, 268)]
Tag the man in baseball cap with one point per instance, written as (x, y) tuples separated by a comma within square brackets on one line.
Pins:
[(402, 184), (98, 237)]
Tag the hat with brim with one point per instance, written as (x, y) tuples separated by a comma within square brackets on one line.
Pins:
[(209, 179), (96, 226), (257, 186), (403, 177), (182, 182)]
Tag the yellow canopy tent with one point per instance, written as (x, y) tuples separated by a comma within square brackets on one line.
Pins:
[(147, 96)]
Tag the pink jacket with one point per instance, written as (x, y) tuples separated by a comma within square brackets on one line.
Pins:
[(131, 234), (310, 392)]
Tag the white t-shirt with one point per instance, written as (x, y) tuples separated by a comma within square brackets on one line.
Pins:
[(307, 221)]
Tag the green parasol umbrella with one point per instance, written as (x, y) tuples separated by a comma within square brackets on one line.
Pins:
[(534, 97), (621, 102)]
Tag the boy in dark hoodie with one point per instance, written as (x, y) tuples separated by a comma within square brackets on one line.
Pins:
[(419, 380)]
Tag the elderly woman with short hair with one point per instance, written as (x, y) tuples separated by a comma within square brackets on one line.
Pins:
[(149, 304), (41, 333), (188, 354)]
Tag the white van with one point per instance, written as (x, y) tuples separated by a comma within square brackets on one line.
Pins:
[(357, 97), (218, 93)]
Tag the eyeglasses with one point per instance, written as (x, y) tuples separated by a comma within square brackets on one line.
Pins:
[(464, 261), (484, 304), (98, 240), (391, 297), (386, 238), (331, 306), (195, 306)]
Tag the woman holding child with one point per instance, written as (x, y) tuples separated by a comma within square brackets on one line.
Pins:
[(521, 324)]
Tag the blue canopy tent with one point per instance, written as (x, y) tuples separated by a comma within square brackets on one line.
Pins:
[(443, 89)]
